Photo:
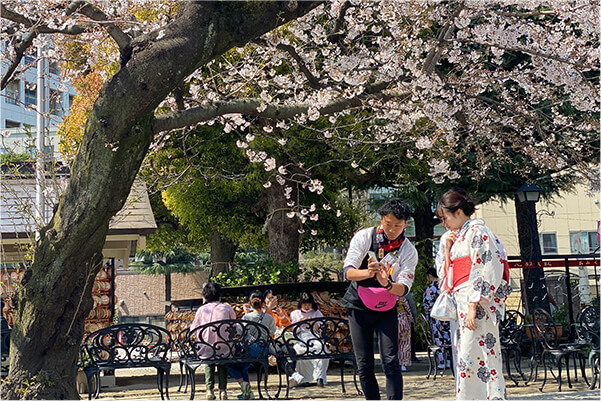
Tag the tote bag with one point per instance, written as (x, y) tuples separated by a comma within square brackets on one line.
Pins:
[(445, 306)]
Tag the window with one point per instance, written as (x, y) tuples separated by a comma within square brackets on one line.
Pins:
[(593, 241), (30, 97), (53, 67), (548, 243), (28, 60), (13, 92), (583, 241), (12, 124), (55, 102)]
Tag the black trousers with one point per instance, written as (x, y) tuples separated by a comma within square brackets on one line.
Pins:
[(385, 325)]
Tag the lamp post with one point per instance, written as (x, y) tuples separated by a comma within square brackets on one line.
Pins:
[(535, 286)]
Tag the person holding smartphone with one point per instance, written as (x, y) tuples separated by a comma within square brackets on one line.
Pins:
[(380, 263)]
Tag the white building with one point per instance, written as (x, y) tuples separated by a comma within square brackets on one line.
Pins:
[(18, 107)]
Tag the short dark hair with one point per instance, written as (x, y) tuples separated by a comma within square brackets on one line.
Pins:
[(455, 199), (256, 299), (397, 208), (307, 297), (432, 271), (211, 292)]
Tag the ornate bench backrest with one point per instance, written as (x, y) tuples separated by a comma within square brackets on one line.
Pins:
[(588, 326), (315, 337), (127, 345), (5, 345), (228, 340), (545, 328), (510, 328)]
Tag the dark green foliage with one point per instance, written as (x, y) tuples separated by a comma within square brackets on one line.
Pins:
[(175, 260), (260, 272)]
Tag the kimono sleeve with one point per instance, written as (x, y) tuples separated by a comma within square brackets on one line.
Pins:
[(439, 259), (487, 269)]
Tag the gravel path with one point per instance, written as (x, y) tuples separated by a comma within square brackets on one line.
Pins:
[(141, 384)]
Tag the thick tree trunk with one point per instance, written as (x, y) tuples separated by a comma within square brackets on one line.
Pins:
[(283, 231), (223, 251), (55, 296), (424, 232)]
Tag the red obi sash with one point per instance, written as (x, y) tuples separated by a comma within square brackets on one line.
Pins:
[(461, 270)]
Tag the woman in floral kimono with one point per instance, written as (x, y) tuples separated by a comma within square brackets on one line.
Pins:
[(441, 331), (480, 286), (405, 319)]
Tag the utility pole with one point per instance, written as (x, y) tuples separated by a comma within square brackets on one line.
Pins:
[(40, 148)]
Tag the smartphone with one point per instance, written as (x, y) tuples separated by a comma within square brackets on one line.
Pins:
[(372, 255)]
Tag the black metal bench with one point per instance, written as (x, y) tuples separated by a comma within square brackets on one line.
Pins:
[(134, 345), (5, 345), (317, 338), (226, 342)]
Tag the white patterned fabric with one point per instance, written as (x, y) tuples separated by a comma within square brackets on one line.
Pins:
[(479, 371)]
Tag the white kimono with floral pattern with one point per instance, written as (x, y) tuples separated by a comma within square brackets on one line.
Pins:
[(479, 373)]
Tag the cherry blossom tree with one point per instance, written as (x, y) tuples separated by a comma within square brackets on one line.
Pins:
[(433, 80), (55, 295)]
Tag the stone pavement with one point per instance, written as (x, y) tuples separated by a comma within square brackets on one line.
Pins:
[(137, 384)]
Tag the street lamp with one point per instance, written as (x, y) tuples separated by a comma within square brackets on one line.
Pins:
[(528, 193), (534, 277)]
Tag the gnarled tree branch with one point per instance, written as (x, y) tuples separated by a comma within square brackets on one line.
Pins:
[(436, 51), (122, 39), (19, 53), (313, 81)]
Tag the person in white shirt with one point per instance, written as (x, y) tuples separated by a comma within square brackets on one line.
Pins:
[(380, 264), (312, 369)]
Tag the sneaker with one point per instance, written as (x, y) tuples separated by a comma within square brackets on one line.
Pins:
[(296, 379), (223, 395), (210, 395), (320, 383), (403, 368), (247, 393)]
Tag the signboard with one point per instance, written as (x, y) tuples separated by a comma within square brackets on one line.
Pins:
[(554, 263)]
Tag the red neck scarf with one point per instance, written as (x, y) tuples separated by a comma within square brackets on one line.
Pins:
[(385, 244)]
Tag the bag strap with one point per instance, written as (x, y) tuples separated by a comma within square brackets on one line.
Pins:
[(374, 242), (445, 284)]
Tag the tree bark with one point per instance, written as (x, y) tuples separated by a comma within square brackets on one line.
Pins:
[(283, 231), (223, 251), (535, 285), (55, 296)]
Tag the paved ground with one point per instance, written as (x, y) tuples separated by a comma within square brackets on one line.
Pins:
[(141, 384)]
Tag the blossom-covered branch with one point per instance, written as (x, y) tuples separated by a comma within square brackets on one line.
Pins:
[(258, 108)]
